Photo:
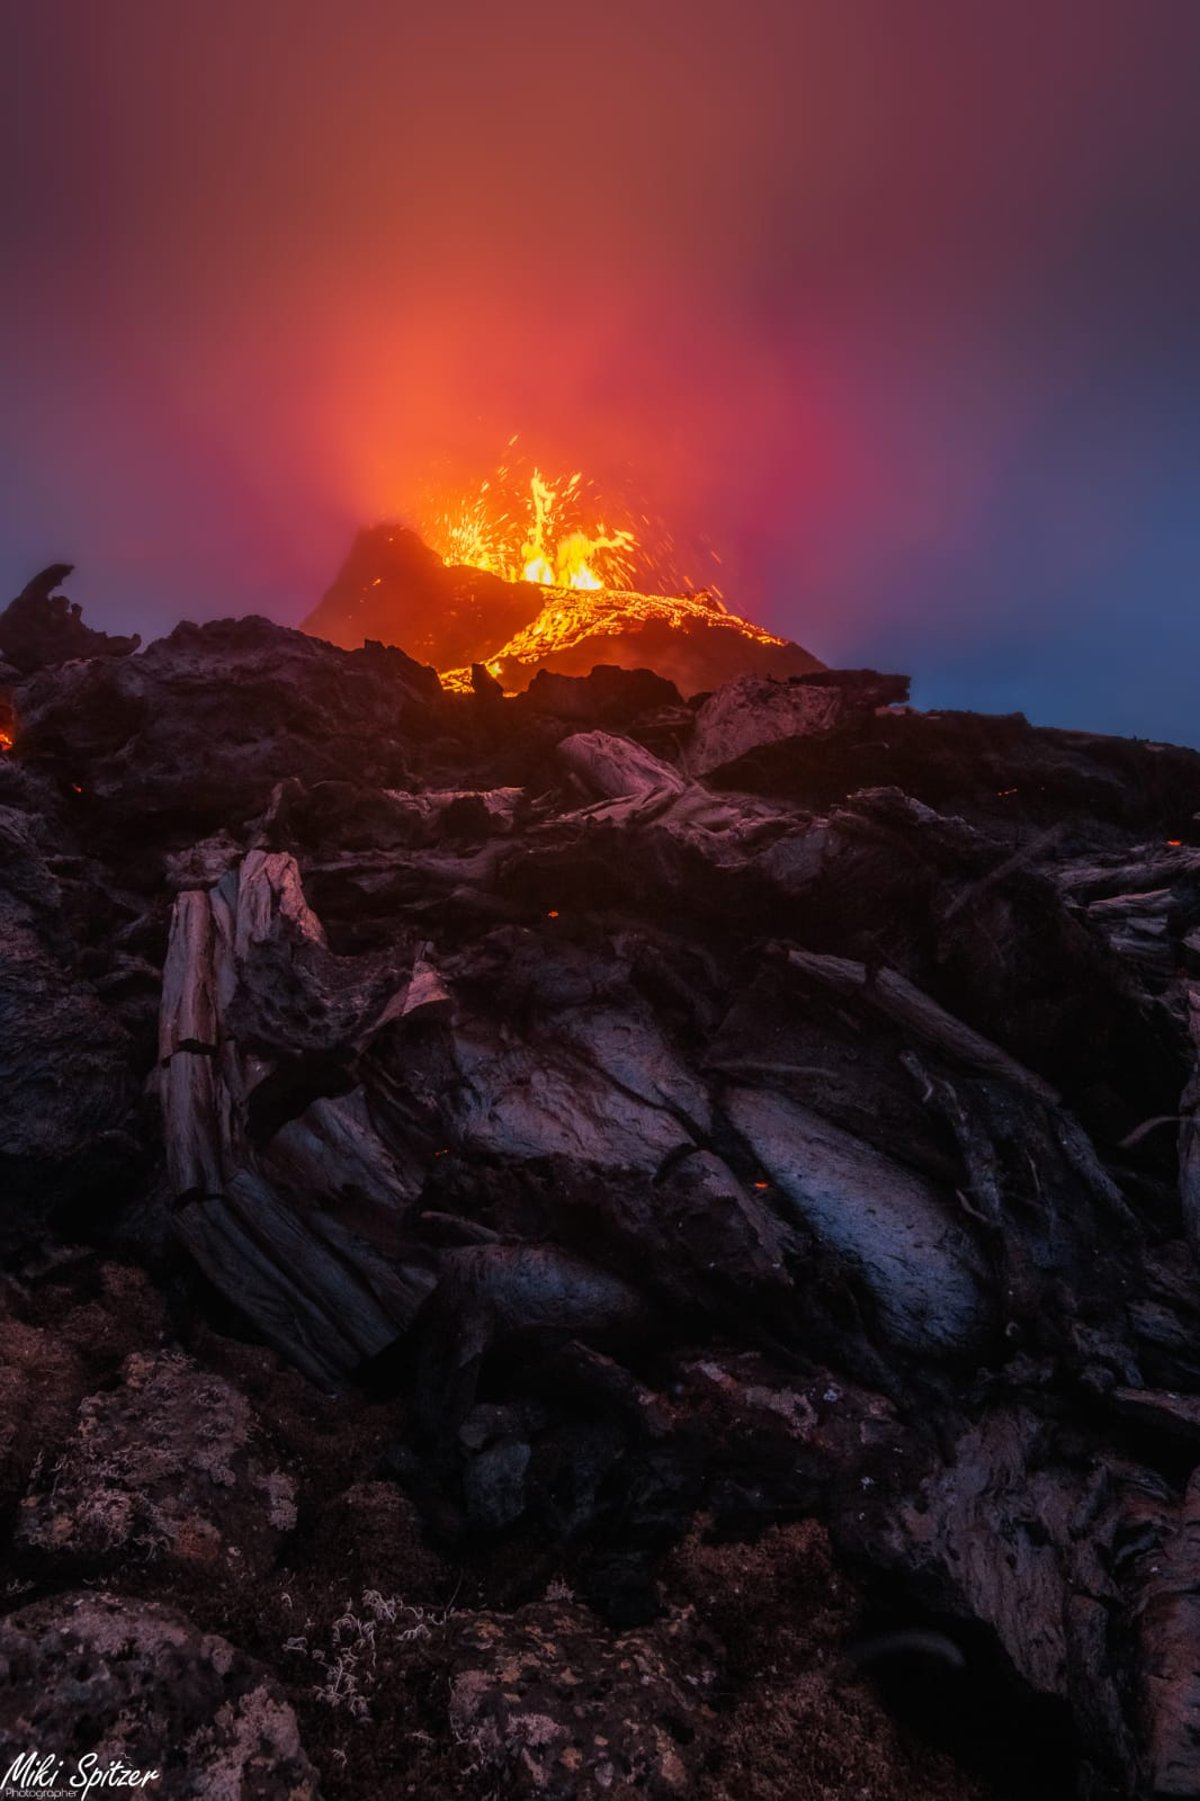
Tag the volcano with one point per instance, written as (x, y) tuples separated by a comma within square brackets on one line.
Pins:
[(394, 588)]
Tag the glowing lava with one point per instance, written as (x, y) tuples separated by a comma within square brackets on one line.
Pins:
[(523, 575), (564, 623), (539, 537)]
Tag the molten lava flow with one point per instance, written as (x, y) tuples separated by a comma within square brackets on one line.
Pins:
[(538, 538), (563, 623), (568, 621)]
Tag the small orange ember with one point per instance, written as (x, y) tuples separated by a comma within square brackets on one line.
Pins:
[(553, 913), (1174, 843), (6, 741)]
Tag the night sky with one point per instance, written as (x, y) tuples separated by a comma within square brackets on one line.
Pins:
[(897, 301)]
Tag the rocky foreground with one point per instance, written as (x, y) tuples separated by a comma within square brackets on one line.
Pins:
[(594, 1243)]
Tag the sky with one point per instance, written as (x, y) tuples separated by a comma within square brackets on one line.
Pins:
[(895, 303)]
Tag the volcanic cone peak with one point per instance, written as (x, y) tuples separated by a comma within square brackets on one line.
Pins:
[(392, 587)]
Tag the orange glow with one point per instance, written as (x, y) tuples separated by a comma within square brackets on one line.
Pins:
[(6, 741), (1174, 843), (535, 537)]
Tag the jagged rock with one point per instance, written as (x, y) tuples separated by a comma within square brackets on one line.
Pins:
[(994, 767), (606, 696), (66, 1084), (164, 1467), (1178, 1415), (206, 721), (41, 628), (646, 1150), (202, 865), (611, 768), (491, 1294), (655, 838), (1012, 1531), (891, 1228), (94, 1676), (595, 1080), (701, 1232), (920, 1017), (333, 817), (247, 972), (752, 711), (484, 685)]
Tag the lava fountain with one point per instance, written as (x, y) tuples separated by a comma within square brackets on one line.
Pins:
[(537, 537)]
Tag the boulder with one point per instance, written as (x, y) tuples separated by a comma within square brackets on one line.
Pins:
[(168, 1467), (118, 1682), (608, 695), (890, 1228), (560, 1714), (753, 711)]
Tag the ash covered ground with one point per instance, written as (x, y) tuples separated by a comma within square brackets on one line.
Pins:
[(595, 1242)]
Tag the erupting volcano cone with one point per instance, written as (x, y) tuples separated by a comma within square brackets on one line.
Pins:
[(394, 588)]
